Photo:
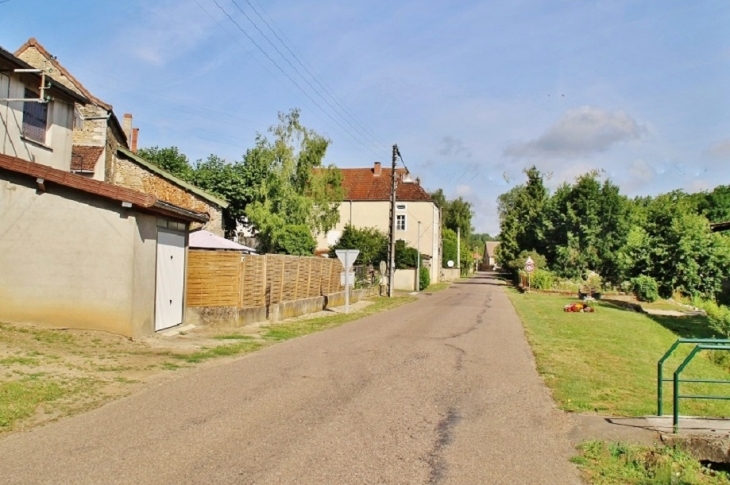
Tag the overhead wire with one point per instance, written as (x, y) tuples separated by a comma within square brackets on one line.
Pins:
[(304, 78), (313, 75), (286, 74)]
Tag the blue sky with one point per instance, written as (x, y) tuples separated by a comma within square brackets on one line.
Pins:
[(471, 91)]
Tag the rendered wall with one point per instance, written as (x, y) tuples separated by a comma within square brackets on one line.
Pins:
[(69, 259), (56, 150)]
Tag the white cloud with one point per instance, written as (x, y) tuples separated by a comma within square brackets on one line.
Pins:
[(453, 147), (169, 30), (463, 190), (580, 132), (642, 171), (720, 150)]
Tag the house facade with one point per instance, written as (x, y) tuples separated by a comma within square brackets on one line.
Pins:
[(367, 204), (77, 252), (104, 149)]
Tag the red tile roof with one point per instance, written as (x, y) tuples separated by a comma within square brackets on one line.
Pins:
[(364, 184), (83, 159), (96, 187)]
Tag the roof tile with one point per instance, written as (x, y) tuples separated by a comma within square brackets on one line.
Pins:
[(362, 184)]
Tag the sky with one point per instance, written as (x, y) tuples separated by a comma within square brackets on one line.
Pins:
[(473, 92)]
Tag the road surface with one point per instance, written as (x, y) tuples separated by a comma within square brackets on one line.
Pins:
[(440, 391)]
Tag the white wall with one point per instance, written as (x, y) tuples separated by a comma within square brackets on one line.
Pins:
[(56, 151)]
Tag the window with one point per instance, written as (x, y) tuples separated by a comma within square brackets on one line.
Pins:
[(400, 222), (35, 119), (172, 225)]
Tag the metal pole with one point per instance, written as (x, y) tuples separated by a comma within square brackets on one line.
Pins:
[(418, 265), (458, 248), (391, 258)]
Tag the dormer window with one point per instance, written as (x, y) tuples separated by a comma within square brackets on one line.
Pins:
[(35, 118)]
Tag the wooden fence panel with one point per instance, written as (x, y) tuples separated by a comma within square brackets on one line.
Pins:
[(314, 285), (253, 282), (275, 278), (213, 278), (291, 267)]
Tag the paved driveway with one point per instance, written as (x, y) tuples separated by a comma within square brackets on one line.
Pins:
[(441, 391)]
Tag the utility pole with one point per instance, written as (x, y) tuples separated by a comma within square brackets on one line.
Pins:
[(458, 248), (391, 252), (418, 264)]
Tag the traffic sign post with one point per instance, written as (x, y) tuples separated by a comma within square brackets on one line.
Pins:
[(529, 268), (347, 257)]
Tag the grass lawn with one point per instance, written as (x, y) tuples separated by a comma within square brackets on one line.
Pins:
[(605, 362)]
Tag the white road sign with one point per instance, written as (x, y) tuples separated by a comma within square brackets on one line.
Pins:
[(347, 257), (529, 265), (347, 279)]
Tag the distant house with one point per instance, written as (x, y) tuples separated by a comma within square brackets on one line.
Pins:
[(77, 252), (105, 150), (367, 204), (490, 261)]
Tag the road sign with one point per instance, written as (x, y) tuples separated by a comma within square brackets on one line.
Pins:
[(347, 279), (529, 265), (450, 264), (347, 257)]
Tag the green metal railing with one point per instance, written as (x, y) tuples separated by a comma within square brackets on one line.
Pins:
[(700, 345)]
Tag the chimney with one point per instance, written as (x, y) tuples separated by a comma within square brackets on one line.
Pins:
[(127, 127), (418, 180), (377, 170), (133, 143)]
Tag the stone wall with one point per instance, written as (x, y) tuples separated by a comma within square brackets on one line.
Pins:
[(127, 173), (32, 56)]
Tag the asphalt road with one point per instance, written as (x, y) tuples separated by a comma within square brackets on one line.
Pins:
[(441, 391)]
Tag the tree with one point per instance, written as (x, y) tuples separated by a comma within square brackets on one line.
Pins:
[(295, 240), (169, 159), (523, 221), (449, 249), (371, 242), (295, 189)]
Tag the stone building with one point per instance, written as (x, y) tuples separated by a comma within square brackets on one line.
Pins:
[(105, 149)]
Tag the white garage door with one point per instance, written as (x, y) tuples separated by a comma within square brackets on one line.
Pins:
[(170, 279)]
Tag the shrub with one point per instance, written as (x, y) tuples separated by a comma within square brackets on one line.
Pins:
[(424, 279), (543, 279), (645, 288), (718, 316)]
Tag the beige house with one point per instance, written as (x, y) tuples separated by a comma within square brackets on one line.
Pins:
[(74, 251), (105, 150), (367, 204)]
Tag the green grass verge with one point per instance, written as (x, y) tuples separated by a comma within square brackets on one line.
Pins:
[(20, 399), (605, 362), (623, 464), (437, 287), (221, 351), (286, 331)]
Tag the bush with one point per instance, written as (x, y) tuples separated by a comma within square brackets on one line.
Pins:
[(424, 279), (718, 316), (294, 239), (543, 279), (645, 288)]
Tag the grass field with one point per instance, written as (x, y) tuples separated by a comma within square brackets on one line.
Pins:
[(605, 362)]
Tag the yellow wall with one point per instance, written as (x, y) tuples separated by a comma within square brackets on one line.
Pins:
[(377, 214)]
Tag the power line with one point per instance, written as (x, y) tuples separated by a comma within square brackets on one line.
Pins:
[(313, 76), (334, 109), (225, 12)]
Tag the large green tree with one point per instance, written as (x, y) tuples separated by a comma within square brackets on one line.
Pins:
[(297, 190)]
